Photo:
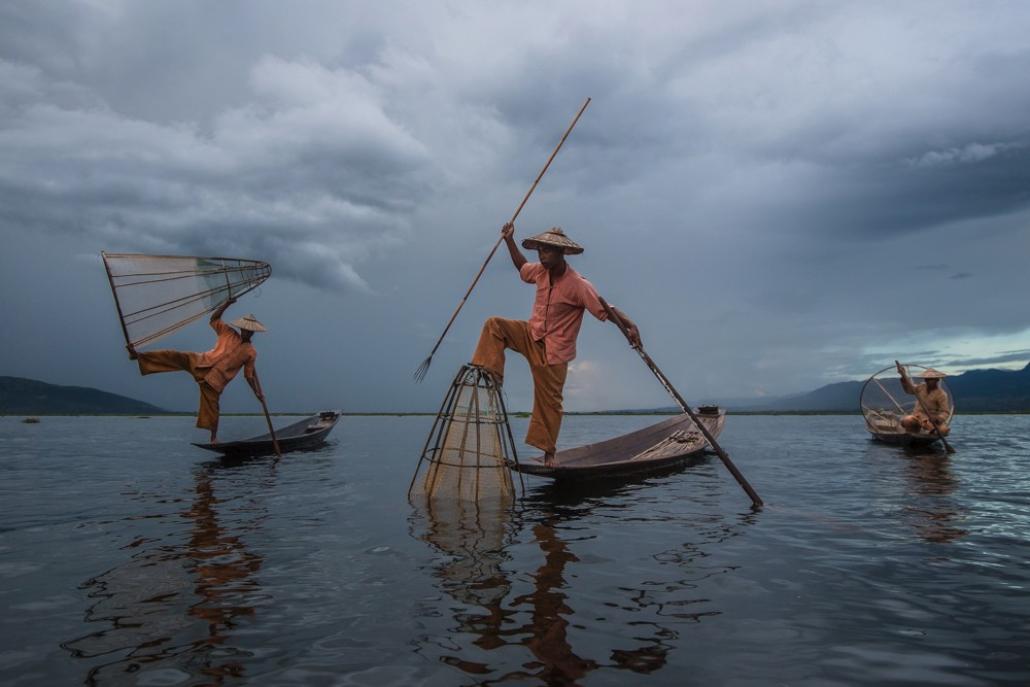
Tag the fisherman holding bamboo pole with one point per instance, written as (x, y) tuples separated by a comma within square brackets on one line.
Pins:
[(932, 406), (548, 338), (214, 369)]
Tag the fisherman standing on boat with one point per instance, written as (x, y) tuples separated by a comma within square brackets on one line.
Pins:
[(932, 399), (214, 369), (548, 339)]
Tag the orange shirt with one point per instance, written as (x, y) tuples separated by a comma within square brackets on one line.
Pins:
[(558, 309), (227, 357)]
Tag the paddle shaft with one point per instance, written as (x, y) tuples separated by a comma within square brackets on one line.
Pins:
[(268, 419), (929, 416), (737, 475), (513, 218)]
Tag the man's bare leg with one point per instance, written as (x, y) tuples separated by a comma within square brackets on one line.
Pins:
[(214, 436), (549, 459)]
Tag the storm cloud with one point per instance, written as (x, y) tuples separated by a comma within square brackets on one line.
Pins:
[(782, 194)]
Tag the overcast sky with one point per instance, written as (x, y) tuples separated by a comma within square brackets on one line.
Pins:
[(782, 194)]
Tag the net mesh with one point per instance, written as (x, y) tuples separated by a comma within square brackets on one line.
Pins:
[(157, 295), (467, 452)]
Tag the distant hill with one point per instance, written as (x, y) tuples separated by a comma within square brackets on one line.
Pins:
[(974, 391), (20, 396)]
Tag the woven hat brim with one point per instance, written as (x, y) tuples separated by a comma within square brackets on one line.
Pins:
[(533, 244), (249, 325)]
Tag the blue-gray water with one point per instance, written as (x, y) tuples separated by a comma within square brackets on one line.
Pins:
[(129, 557)]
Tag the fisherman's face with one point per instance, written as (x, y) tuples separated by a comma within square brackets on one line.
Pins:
[(246, 335), (931, 384), (551, 256)]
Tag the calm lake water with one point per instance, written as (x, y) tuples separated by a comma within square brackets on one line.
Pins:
[(128, 557)]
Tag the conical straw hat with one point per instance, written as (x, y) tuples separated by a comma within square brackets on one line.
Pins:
[(248, 322), (931, 373), (553, 237)]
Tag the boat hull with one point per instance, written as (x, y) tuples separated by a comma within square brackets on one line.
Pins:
[(658, 447), (308, 434), (905, 438)]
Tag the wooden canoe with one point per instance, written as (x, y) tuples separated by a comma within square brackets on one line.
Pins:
[(659, 446), (886, 427), (309, 433)]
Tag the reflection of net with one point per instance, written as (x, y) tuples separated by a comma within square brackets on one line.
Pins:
[(158, 294), (468, 447), (885, 402)]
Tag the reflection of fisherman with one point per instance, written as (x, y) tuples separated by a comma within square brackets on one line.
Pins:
[(214, 369), (548, 339), (932, 399)]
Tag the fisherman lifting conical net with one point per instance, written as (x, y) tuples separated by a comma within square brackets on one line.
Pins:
[(213, 369), (156, 295)]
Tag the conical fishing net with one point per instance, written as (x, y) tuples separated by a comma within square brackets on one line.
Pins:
[(157, 294), (470, 446)]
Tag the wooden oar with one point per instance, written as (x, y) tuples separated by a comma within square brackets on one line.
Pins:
[(929, 416), (755, 498), (268, 419), (420, 373)]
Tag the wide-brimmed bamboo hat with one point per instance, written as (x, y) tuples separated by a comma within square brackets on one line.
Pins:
[(931, 373), (248, 322), (553, 237)]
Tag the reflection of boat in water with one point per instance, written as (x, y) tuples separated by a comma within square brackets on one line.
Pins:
[(884, 403), (173, 607), (660, 446)]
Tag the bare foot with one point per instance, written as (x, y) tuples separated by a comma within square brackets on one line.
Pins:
[(214, 439), (549, 459)]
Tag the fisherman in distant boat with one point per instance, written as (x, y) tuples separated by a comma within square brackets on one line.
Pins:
[(932, 399), (548, 339), (214, 369)]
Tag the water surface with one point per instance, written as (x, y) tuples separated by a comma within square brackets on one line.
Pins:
[(128, 557)]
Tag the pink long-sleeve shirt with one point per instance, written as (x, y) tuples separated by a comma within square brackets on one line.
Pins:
[(558, 309)]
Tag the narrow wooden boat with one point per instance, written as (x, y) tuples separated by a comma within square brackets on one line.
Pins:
[(659, 446), (309, 433), (887, 428)]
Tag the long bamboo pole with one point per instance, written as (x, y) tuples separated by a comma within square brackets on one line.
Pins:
[(420, 373), (268, 419), (741, 480)]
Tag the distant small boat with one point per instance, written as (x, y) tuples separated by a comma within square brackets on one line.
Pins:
[(656, 447), (309, 433), (884, 403), (31, 420)]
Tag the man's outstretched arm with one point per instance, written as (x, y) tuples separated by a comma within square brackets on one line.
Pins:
[(517, 258), (220, 310)]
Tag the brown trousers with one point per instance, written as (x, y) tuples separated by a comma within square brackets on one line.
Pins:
[(172, 361), (548, 380)]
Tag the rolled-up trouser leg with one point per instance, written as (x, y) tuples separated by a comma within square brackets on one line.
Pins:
[(496, 335), (165, 361), (207, 415)]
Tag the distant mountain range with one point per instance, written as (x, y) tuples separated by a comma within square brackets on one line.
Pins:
[(20, 396), (975, 391)]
